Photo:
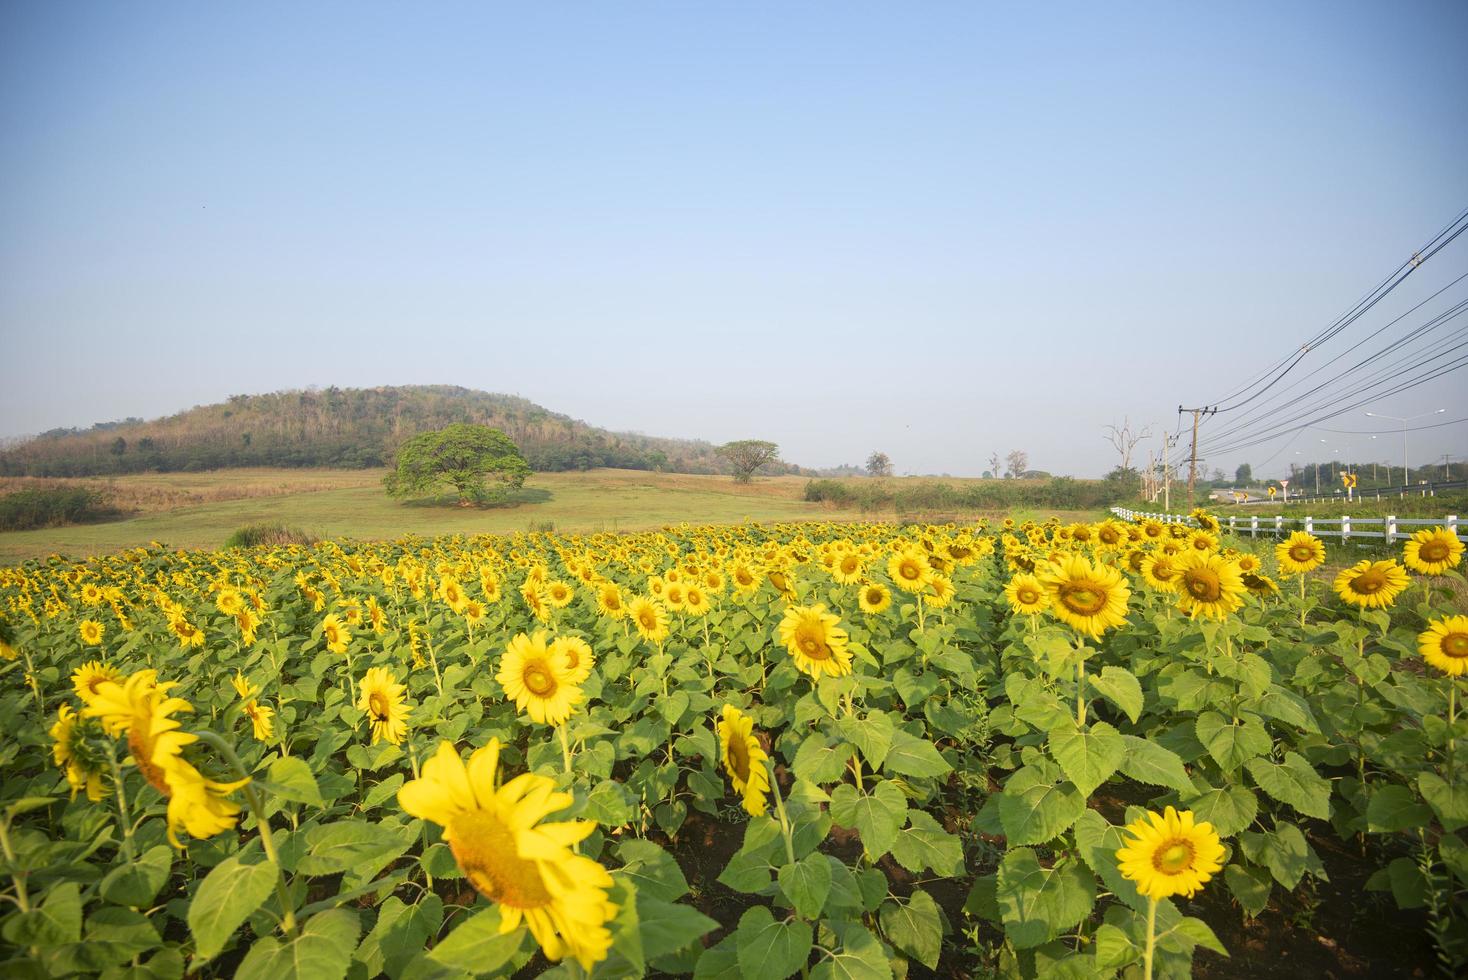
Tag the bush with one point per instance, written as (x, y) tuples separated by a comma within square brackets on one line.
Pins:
[(269, 535), (53, 507)]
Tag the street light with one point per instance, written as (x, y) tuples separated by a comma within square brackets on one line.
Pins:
[(1406, 477)]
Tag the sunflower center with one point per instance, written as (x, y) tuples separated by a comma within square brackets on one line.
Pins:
[(910, 571), (647, 620), (486, 850), (1203, 585), (1433, 551), (739, 757), (1174, 858), (141, 747), (377, 705), (1083, 599), (1028, 596), (1368, 583), (812, 642), (873, 597), (1302, 552), (1455, 645), (539, 680)]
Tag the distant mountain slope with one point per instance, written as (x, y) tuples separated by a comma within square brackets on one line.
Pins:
[(344, 427)]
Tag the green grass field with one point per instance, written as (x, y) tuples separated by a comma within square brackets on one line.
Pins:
[(356, 506)]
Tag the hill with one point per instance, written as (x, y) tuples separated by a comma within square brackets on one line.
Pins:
[(344, 428)]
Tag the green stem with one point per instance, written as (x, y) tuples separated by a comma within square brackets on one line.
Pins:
[(124, 821), (257, 805), (780, 811), (1081, 693), (22, 900), (1151, 939), (1452, 722), (565, 746)]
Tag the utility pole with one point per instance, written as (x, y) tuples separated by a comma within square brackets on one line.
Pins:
[(1193, 455)]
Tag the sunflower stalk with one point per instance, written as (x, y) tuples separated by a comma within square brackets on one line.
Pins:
[(124, 822), (257, 806), (565, 747), (1151, 939)]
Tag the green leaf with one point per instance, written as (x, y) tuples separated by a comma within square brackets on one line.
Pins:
[(860, 955), (1251, 888), (925, 844), (1038, 903), (321, 950), (1147, 762), (668, 927), (476, 945), (1114, 949), (57, 920), (1098, 842), (399, 934), (1034, 808), (610, 804), (348, 845), (768, 949), (806, 883), (1088, 757), (915, 927), (1449, 803), (229, 893), (1295, 783), (137, 883), (913, 756), (819, 761), (1283, 852), (1230, 810), (872, 735), (1394, 808), (720, 961), (1121, 687), (877, 816), (1232, 744), (292, 779), (652, 869)]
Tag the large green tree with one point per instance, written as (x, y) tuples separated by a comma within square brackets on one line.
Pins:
[(748, 455), (479, 462)]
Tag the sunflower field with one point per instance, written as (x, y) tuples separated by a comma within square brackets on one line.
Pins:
[(826, 750)]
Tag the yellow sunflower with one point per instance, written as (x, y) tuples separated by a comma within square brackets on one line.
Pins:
[(578, 656), (940, 591), (696, 601), (511, 856), (1209, 585), (1170, 854), (84, 767), (335, 633), (909, 570), (89, 676), (875, 598), (815, 641), (91, 632), (537, 678), (609, 601), (1301, 552), (558, 593), (1089, 598), (381, 699), (1026, 595), (1260, 584), (1444, 645), (649, 618), (848, 568), (744, 759), (1432, 551), (1371, 584), (259, 714)]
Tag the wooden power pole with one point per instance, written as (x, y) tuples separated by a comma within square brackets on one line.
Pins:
[(1193, 455)]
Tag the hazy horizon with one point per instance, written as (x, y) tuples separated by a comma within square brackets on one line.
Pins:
[(937, 232)]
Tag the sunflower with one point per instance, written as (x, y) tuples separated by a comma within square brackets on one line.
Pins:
[(746, 580), (89, 676), (1026, 595), (381, 699), (696, 601), (909, 570), (649, 618), (1209, 585), (525, 866), (1152, 529), (744, 759), (229, 602), (783, 582), (451, 592), (537, 679), (1205, 520), (609, 601), (1432, 551), (1089, 598), (558, 593), (1203, 541), (1301, 552), (259, 714), (247, 621), (815, 641), (91, 632), (376, 616), (578, 655), (1371, 584), (1444, 645), (84, 767), (335, 633), (1260, 584), (874, 598), (473, 612), (940, 592), (1169, 854), (1247, 562), (848, 568)]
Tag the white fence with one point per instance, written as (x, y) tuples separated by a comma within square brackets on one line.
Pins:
[(1362, 530)]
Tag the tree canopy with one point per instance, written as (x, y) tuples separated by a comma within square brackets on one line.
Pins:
[(879, 464), (748, 455), (463, 456)]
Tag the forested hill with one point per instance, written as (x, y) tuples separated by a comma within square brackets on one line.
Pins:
[(342, 427)]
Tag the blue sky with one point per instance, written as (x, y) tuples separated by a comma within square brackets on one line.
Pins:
[(936, 230)]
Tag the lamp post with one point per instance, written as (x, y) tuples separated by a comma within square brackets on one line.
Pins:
[(1406, 473)]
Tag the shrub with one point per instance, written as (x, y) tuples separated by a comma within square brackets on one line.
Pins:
[(270, 535), (53, 507)]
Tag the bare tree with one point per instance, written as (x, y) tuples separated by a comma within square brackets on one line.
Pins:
[(1018, 461), (1124, 440), (879, 464), (995, 465), (748, 455)]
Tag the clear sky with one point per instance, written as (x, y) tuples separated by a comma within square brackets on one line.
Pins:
[(937, 230)]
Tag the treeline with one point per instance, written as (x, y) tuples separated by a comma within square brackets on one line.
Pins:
[(1059, 493), (345, 428), (53, 507)]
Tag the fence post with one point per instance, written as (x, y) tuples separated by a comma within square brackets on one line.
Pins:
[(1309, 524), (1232, 524), (1391, 528), (1278, 523), (1254, 526), (1452, 523), (1345, 528)]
